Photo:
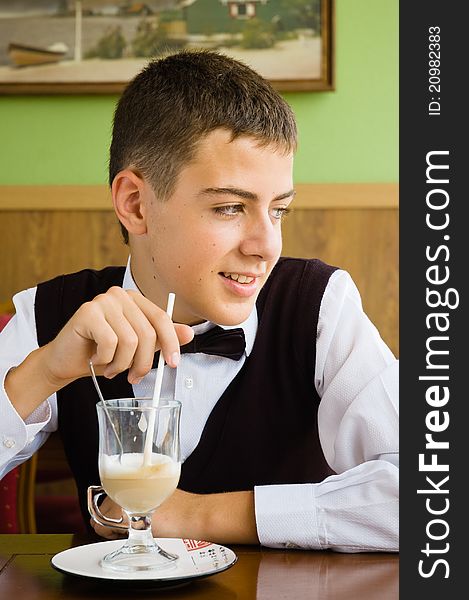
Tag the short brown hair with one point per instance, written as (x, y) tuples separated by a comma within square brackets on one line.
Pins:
[(180, 98)]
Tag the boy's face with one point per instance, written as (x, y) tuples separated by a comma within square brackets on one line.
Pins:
[(221, 223)]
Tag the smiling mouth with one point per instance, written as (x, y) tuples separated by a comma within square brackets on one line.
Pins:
[(238, 278)]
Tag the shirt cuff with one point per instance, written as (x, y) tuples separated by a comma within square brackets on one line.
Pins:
[(17, 433), (286, 516)]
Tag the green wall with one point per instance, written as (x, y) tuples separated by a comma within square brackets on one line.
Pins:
[(349, 135)]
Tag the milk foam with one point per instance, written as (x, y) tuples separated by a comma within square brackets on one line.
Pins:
[(132, 466)]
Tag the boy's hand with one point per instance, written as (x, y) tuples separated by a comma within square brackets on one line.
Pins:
[(111, 510), (220, 518), (178, 516), (118, 330)]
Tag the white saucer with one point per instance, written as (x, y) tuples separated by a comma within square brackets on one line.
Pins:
[(196, 559)]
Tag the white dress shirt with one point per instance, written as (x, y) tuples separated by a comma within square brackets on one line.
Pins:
[(356, 377)]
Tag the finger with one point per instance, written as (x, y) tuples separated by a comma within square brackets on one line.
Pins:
[(106, 532), (117, 326), (110, 510), (127, 329), (146, 337), (90, 324), (127, 343), (167, 333), (160, 331), (131, 328)]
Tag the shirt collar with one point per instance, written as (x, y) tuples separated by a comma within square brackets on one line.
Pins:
[(249, 326)]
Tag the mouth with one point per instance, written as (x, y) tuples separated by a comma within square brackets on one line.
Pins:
[(240, 284), (239, 277)]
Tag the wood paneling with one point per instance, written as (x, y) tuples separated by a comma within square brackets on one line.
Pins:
[(39, 244), (98, 197)]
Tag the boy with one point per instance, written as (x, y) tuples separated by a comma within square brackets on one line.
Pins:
[(291, 438)]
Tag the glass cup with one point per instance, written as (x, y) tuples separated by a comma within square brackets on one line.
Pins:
[(138, 474)]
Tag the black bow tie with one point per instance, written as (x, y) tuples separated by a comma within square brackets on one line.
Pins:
[(229, 343)]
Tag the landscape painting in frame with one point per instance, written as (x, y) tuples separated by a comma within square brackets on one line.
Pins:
[(97, 46)]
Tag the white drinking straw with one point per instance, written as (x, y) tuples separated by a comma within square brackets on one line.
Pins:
[(157, 391)]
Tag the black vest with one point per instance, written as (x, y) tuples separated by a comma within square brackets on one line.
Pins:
[(262, 430)]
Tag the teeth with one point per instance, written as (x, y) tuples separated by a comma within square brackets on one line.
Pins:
[(239, 278)]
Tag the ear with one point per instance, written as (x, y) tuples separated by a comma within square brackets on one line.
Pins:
[(128, 196)]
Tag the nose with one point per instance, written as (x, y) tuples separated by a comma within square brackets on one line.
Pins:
[(262, 238)]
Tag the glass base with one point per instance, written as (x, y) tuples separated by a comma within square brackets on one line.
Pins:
[(131, 559)]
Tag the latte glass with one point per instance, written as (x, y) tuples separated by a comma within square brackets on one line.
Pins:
[(136, 475)]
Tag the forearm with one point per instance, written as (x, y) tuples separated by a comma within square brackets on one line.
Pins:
[(29, 384), (227, 518)]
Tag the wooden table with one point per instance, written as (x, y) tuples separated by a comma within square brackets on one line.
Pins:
[(260, 573)]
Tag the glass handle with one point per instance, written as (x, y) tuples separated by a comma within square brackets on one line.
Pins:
[(94, 494)]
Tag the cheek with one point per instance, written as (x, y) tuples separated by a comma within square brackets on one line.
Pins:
[(197, 252), (193, 262)]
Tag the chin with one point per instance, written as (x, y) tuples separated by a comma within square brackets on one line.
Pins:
[(232, 317)]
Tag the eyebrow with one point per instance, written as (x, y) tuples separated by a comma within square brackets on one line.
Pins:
[(246, 195)]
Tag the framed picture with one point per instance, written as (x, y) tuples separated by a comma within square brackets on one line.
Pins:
[(97, 46)]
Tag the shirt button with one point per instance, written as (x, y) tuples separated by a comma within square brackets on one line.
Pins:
[(189, 383), (9, 443)]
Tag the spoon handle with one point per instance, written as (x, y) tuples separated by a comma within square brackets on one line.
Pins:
[(103, 402)]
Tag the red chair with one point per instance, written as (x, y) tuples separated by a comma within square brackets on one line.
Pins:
[(17, 499), (9, 485), (8, 497)]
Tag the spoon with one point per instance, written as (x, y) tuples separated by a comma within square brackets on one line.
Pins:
[(103, 402)]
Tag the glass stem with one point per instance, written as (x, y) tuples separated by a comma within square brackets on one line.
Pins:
[(140, 533)]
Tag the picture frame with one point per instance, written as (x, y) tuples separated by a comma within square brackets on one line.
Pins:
[(97, 46)]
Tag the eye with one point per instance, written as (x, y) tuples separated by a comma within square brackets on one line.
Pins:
[(229, 210), (280, 213)]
